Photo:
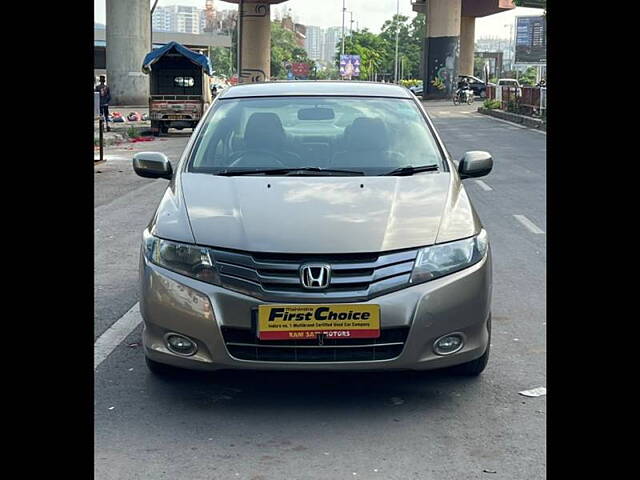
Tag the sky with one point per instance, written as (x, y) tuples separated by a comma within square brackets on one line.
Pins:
[(369, 14)]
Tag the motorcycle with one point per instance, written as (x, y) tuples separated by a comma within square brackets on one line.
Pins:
[(463, 96)]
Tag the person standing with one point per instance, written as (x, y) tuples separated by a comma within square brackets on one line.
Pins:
[(105, 98)]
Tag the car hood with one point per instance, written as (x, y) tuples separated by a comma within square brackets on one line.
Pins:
[(322, 214)]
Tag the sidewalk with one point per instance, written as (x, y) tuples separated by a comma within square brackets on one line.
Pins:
[(121, 131)]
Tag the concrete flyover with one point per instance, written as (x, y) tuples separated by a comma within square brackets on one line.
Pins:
[(255, 39), (198, 42), (128, 34), (448, 43), (450, 40), (121, 46)]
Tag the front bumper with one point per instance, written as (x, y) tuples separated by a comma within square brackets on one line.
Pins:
[(460, 302)]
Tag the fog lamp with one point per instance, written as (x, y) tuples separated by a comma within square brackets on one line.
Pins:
[(448, 344), (180, 345)]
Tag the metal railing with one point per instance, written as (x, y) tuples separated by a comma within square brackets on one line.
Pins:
[(530, 101)]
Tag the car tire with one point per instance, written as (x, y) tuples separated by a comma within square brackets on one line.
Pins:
[(477, 366), (161, 370)]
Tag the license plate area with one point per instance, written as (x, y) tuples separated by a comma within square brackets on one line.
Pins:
[(310, 322)]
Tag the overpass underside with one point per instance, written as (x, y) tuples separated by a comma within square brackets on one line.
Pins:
[(449, 42)]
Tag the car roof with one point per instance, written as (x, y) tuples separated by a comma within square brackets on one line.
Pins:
[(314, 87), (470, 76)]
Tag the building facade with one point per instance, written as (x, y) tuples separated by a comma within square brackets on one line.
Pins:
[(177, 18), (314, 42), (331, 38)]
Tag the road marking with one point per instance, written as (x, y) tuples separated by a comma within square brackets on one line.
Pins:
[(483, 186), (514, 124), (115, 334), (529, 225)]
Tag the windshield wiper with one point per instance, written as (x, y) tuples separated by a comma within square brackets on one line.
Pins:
[(409, 170), (288, 171), (323, 170)]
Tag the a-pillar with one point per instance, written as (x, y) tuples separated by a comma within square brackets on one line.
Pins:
[(467, 45), (441, 47), (255, 52), (128, 41)]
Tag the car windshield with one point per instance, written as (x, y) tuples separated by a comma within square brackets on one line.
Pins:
[(362, 135)]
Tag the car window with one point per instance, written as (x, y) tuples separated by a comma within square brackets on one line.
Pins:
[(367, 134), (184, 81)]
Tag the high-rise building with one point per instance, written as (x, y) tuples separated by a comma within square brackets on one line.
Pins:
[(161, 21), (313, 42), (176, 18), (332, 36), (299, 31)]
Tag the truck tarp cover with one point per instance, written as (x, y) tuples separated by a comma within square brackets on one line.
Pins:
[(155, 55)]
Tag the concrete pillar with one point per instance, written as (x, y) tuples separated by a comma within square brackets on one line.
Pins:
[(255, 42), (467, 45), (128, 41), (441, 47)]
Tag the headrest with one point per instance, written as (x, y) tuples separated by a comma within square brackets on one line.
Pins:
[(264, 131), (367, 134)]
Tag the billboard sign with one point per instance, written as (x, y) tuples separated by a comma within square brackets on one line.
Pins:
[(531, 40), (349, 66), (300, 69)]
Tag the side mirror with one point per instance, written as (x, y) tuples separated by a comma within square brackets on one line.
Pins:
[(152, 165), (475, 164)]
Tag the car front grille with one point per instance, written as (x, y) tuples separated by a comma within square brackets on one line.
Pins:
[(276, 277), (243, 344)]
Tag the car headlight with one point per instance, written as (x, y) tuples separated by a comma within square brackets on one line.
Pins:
[(438, 260), (189, 260)]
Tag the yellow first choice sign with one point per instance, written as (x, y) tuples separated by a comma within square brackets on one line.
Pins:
[(287, 322)]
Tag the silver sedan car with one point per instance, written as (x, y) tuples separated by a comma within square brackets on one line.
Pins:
[(315, 226)]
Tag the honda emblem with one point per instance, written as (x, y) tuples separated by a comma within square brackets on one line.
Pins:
[(315, 275)]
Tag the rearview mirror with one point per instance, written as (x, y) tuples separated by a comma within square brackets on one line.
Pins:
[(475, 164), (316, 114), (152, 165)]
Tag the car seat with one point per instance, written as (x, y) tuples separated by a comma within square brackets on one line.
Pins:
[(366, 144)]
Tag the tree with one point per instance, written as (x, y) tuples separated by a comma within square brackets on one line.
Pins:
[(377, 51), (221, 60), (285, 49), (369, 46), (529, 76)]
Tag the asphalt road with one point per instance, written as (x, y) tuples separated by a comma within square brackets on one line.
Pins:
[(263, 426)]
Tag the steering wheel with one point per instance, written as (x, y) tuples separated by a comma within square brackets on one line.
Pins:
[(238, 157)]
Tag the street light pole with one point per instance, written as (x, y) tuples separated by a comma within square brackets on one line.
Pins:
[(343, 10), (239, 39), (151, 26), (395, 71)]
